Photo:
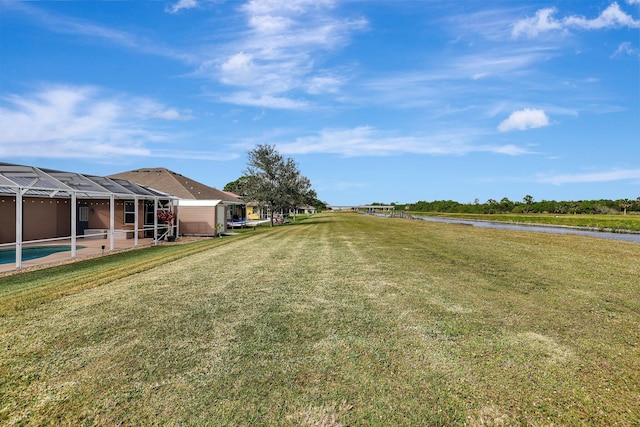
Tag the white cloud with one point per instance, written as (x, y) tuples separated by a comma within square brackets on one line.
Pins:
[(267, 7), (492, 24), (69, 25), (270, 24), (238, 70), (79, 122), (265, 101), (86, 30), (324, 84), (368, 141), (543, 21), (278, 52), (616, 175), (625, 48), (524, 119), (218, 155), (453, 79), (611, 17), (182, 4), (509, 149), (172, 114), (499, 62)]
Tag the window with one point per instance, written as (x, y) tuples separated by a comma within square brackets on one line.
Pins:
[(83, 213), (129, 213)]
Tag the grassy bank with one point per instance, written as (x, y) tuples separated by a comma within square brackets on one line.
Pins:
[(31, 288), (342, 319), (629, 222)]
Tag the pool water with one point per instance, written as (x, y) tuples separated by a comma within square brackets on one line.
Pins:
[(8, 256)]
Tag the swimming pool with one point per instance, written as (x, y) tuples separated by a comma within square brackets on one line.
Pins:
[(8, 256)]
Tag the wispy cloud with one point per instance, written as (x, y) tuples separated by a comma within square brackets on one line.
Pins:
[(277, 53), (81, 122), (626, 48), (368, 141), (501, 61), (490, 24), (605, 176), (182, 5), (266, 101), (544, 21), (454, 78), (524, 119), (181, 154), (67, 25), (89, 30), (172, 114)]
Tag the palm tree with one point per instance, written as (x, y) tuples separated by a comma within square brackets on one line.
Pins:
[(624, 205)]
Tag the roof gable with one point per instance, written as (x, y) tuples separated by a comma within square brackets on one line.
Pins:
[(174, 183)]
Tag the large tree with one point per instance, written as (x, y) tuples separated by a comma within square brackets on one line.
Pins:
[(274, 181)]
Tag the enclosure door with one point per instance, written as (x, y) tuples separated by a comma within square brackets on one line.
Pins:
[(82, 222), (149, 215), (221, 218)]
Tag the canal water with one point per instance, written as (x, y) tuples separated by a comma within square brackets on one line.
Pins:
[(628, 237)]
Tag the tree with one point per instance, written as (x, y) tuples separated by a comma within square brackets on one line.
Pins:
[(528, 200), (624, 205), (239, 186), (275, 181), (299, 189), (506, 205)]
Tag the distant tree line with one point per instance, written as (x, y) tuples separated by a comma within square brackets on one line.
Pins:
[(527, 205)]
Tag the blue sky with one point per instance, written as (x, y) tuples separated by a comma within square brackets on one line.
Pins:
[(377, 101)]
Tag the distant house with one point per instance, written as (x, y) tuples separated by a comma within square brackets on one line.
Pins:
[(203, 210), (304, 210), (256, 211)]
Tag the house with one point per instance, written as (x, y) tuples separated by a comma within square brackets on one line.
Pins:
[(256, 211), (40, 205), (203, 210), (304, 210)]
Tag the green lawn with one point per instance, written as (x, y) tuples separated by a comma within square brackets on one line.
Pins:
[(340, 319)]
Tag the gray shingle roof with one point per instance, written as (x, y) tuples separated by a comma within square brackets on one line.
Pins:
[(54, 183), (175, 184)]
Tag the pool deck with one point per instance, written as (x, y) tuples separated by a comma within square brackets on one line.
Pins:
[(92, 248)]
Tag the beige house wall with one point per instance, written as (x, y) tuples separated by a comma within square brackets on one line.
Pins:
[(42, 218), (7, 219), (100, 211), (197, 220), (46, 218)]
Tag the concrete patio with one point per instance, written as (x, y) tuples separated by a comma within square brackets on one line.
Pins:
[(86, 248)]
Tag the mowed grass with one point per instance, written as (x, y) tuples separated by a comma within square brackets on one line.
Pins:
[(341, 319)]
